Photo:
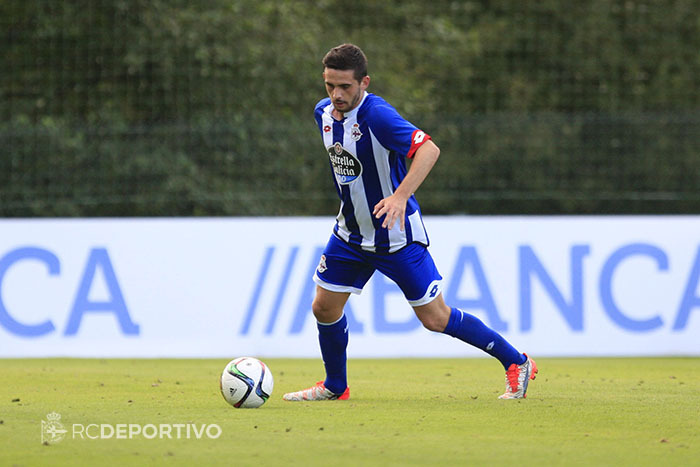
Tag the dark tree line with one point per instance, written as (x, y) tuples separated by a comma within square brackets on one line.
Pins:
[(173, 107)]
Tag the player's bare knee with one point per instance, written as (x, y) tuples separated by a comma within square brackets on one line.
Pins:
[(319, 310), (323, 313), (433, 323), (434, 316)]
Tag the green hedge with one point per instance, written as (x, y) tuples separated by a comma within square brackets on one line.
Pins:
[(163, 107)]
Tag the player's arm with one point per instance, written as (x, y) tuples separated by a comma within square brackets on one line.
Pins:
[(394, 206)]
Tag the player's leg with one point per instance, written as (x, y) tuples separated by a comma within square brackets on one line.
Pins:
[(414, 270), (437, 316), (328, 305), (332, 336), (520, 369), (333, 341), (342, 271)]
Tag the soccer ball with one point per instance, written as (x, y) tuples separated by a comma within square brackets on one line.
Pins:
[(246, 382)]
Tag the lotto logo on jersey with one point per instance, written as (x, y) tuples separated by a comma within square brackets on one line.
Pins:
[(345, 166), (417, 139)]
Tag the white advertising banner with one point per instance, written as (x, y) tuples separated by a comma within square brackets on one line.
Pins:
[(225, 287)]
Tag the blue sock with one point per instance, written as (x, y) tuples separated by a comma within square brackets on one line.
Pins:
[(333, 339), (470, 329)]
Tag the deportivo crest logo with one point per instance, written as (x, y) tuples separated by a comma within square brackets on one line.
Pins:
[(345, 166), (355, 133), (321, 268), (52, 430)]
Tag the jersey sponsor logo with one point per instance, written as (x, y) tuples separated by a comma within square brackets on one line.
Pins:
[(326, 128), (345, 166)]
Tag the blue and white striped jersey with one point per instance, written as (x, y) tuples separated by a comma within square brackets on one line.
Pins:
[(367, 152)]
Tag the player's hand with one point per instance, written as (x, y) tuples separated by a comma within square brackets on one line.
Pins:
[(393, 208)]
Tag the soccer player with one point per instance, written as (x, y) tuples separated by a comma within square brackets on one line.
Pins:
[(379, 227)]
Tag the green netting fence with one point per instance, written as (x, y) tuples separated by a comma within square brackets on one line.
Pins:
[(204, 108)]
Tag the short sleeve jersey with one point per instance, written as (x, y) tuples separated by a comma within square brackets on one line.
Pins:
[(367, 152)]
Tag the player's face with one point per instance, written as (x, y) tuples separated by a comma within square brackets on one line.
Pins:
[(343, 89)]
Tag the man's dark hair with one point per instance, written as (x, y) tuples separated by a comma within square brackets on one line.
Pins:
[(347, 57)]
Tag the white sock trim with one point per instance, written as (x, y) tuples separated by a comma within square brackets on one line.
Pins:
[(334, 322)]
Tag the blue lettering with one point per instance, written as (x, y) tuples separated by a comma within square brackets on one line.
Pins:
[(307, 295), (52, 263), (99, 258), (530, 264), (690, 300), (469, 257), (382, 287), (258, 291), (606, 278), (531, 270), (281, 290)]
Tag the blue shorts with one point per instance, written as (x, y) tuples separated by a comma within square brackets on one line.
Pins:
[(344, 268)]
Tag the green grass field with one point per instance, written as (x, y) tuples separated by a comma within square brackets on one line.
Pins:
[(401, 412)]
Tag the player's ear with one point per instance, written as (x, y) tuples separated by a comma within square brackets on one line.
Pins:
[(364, 83)]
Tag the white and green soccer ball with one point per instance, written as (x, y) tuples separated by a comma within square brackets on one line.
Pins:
[(246, 382)]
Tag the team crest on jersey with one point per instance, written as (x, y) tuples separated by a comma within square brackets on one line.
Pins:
[(327, 128), (355, 132), (346, 166)]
